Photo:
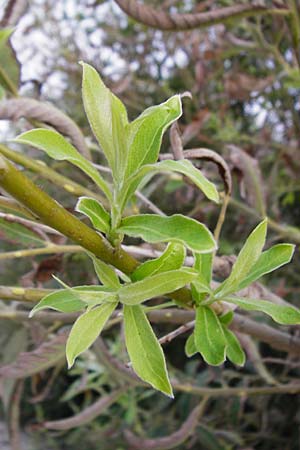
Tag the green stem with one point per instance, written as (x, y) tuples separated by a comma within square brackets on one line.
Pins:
[(48, 250), (46, 172), (53, 214)]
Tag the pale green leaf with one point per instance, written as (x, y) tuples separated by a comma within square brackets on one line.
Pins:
[(153, 228), (106, 274), (95, 212), (145, 352), (270, 260), (201, 286), (108, 119), (94, 295), (5, 33), (157, 285), (86, 329), (234, 351), (64, 300), (209, 336), (57, 147), (183, 167), (285, 315), (145, 133), (190, 347), (246, 259), (9, 65), (171, 259), (226, 318)]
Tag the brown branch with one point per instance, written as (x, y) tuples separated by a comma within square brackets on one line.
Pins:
[(14, 10), (147, 15), (174, 439), (88, 414)]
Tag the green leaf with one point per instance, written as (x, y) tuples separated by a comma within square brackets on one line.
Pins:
[(271, 259), (226, 318), (184, 167), (57, 147), (94, 295), (234, 351), (95, 212), (285, 315), (64, 300), (106, 274), (201, 286), (209, 336), (246, 259), (145, 133), (19, 233), (153, 228), (9, 65), (144, 350), (172, 259), (190, 347), (157, 285), (86, 329), (108, 119), (203, 265)]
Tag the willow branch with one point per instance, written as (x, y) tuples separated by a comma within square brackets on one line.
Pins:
[(48, 250), (147, 15), (46, 172), (54, 215)]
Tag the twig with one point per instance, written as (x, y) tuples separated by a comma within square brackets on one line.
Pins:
[(14, 416), (175, 22), (173, 334), (46, 172)]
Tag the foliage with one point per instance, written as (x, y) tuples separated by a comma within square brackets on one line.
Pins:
[(243, 76)]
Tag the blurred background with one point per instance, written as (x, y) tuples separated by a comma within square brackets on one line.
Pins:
[(245, 81)]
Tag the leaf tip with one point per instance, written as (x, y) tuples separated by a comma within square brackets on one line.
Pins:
[(70, 361), (32, 313)]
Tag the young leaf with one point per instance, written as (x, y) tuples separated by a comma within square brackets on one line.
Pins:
[(201, 286), (64, 300), (246, 259), (172, 259), (94, 295), (95, 212), (160, 284), (86, 329), (153, 228), (57, 147), (107, 117), (5, 34), (203, 265), (106, 274), (184, 167), (145, 133), (209, 336), (285, 315), (10, 67), (226, 318), (144, 350), (190, 347), (271, 259), (234, 351)]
